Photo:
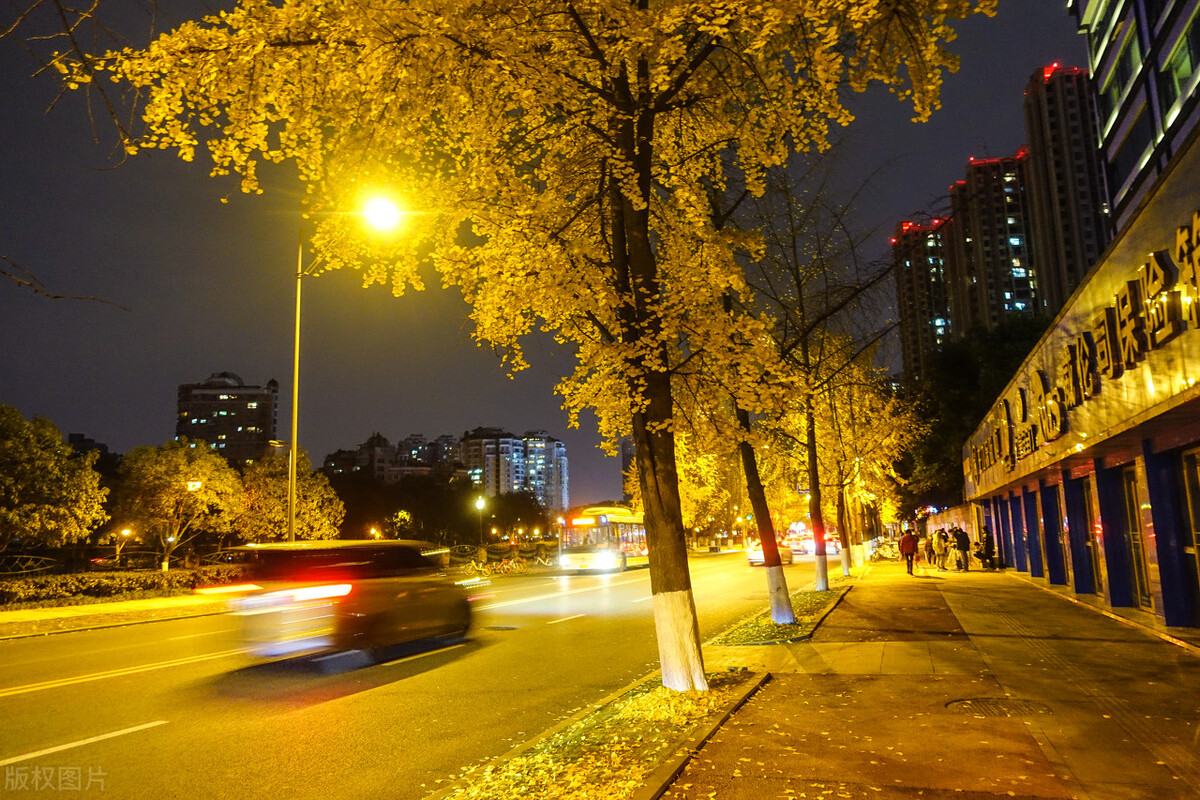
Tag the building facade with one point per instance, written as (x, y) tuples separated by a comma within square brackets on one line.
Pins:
[(234, 419), (922, 292), (1143, 57), (1088, 466), (1065, 184), (1087, 469)]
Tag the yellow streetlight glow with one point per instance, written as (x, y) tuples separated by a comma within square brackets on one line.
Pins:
[(381, 213)]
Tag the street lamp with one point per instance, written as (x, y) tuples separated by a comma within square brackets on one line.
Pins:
[(381, 214), (479, 506)]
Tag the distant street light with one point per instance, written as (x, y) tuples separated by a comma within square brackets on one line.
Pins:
[(381, 214), (479, 503)]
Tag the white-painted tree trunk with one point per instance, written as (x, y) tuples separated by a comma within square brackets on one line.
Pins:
[(777, 591), (822, 565), (846, 561), (679, 641)]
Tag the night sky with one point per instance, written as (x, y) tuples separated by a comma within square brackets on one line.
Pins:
[(193, 286)]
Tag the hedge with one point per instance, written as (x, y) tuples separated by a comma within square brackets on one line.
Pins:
[(44, 588)]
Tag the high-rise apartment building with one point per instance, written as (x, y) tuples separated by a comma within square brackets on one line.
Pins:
[(1144, 56), (1065, 184), (236, 420), (922, 292), (500, 463), (1023, 230), (990, 249), (546, 470)]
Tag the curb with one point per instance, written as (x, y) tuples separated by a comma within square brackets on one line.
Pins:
[(817, 620), (661, 779), (546, 734), (103, 626)]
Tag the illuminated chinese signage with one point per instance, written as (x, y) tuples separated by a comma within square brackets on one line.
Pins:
[(1158, 301)]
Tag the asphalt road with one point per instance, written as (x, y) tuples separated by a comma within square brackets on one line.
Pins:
[(175, 709)]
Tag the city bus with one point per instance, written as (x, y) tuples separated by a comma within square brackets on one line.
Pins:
[(603, 539)]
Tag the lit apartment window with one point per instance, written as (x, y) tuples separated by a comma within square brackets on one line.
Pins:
[(251, 405)]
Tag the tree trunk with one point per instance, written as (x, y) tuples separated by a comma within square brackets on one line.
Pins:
[(843, 521), (777, 590), (675, 622), (814, 496)]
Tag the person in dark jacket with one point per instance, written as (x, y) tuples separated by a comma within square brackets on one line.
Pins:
[(908, 549), (962, 542), (987, 546)]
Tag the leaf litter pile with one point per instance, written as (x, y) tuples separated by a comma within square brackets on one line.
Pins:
[(608, 753), (809, 607)]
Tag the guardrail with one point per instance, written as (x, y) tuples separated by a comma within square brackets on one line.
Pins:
[(15, 564)]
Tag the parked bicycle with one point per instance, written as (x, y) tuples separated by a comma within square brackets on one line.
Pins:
[(511, 566), (483, 568)]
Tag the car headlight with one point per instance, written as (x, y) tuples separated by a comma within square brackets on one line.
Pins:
[(564, 561), (606, 560)]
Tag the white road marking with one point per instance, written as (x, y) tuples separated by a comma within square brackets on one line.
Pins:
[(115, 673), (644, 599), (81, 742), (565, 619), (195, 635), (552, 596)]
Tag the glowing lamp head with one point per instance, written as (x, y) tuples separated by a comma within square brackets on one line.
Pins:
[(381, 214)]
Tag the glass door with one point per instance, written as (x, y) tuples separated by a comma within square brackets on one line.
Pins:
[(1139, 574), (1191, 544), (1089, 535)]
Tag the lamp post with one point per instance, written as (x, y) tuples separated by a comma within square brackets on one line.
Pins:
[(381, 214)]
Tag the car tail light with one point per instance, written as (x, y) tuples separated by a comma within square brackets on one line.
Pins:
[(314, 592)]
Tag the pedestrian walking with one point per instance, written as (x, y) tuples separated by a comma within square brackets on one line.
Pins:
[(941, 548), (962, 543), (908, 549), (929, 548)]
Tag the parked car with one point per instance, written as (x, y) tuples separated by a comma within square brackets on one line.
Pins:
[(306, 597), (755, 554)]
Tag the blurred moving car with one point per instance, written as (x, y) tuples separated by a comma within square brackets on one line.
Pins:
[(807, 546), (755, 554), (306, 597)]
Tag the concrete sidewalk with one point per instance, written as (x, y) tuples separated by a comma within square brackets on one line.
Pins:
[(975, 685)]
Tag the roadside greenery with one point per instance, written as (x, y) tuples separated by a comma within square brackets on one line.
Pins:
[(608, 753), (93, 587), (49, 494), (810, 608)]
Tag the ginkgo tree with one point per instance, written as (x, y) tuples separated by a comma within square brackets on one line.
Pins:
[(557, 156)]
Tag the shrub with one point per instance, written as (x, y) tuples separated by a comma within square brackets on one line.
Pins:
[(114, 585)]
